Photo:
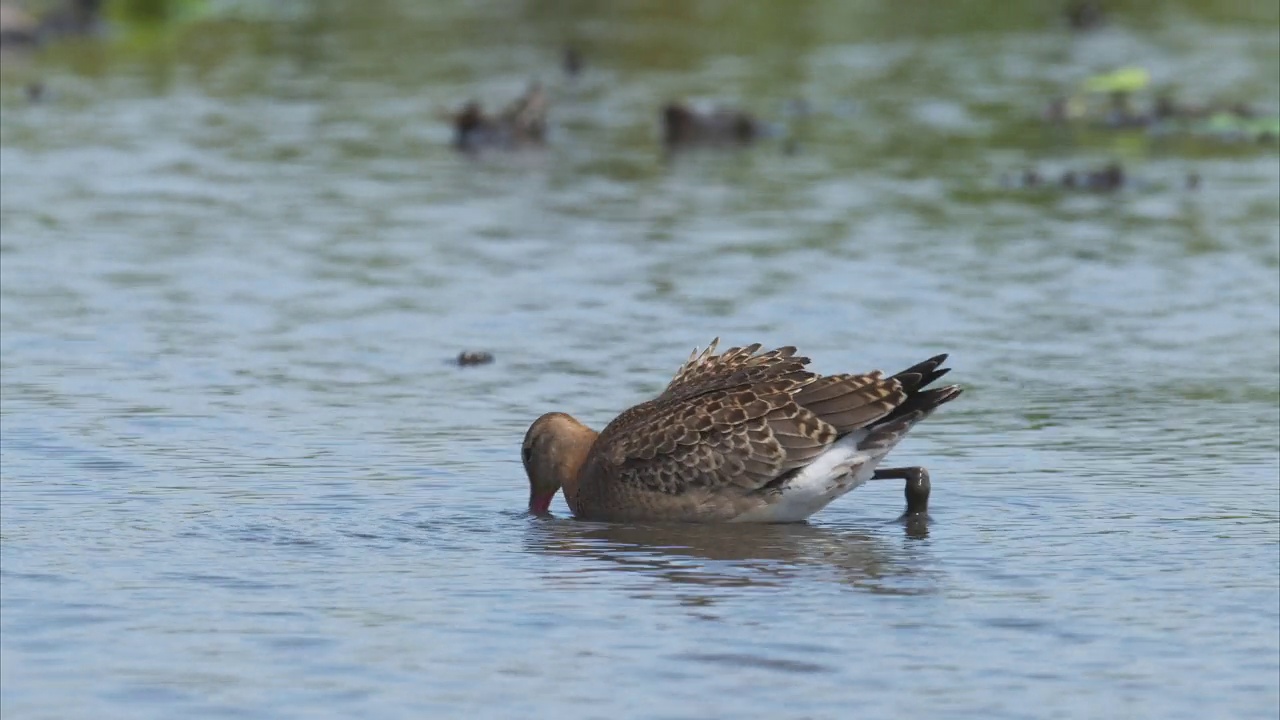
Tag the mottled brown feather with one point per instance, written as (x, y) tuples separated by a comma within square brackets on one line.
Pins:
[(739, 419)]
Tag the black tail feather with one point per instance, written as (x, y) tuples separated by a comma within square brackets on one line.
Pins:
[(921, 375), (914, 380)]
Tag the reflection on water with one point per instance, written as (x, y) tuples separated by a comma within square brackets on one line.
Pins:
[(734, 555)]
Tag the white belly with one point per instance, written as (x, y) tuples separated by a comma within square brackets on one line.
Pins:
[(841, 468)]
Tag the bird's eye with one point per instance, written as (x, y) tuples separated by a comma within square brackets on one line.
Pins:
[(527, 454)]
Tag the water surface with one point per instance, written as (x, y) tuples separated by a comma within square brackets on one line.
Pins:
[(241, 476)]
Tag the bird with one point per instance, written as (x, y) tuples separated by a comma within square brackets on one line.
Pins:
[(682, 126), (523, 123), (740, 436)]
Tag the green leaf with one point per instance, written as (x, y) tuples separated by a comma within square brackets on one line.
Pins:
[(1124, 80)]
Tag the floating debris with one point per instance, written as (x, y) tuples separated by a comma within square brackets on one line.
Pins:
[(682, 126), (17, 28), (1111, 177), (1164, 116), (69, 18), (1084, 15), (73, 18), (522, 124), (572, 61), (474, 357), (1108, 178)]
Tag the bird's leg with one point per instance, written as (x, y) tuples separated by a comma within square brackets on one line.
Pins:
[(917, 489)]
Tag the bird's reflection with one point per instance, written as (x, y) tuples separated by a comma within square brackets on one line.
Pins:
[(736, 555)]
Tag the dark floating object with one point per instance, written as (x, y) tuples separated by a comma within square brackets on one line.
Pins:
[(1084, 15), (572, 61), (17, 28), (523, 123), (1108, 178), (35, 92), (66, 19), (74, 17), (474, 357), (684, 127), (1121, 114)]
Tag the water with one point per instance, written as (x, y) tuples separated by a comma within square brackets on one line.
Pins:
[(241, 476)]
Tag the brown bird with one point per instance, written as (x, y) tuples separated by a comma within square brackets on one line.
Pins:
[(741, 436), (682, 126), (523, 123)]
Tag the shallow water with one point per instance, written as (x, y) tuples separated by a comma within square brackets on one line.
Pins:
[(241, 476)]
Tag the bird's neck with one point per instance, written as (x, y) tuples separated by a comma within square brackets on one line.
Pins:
[(574, 468)]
